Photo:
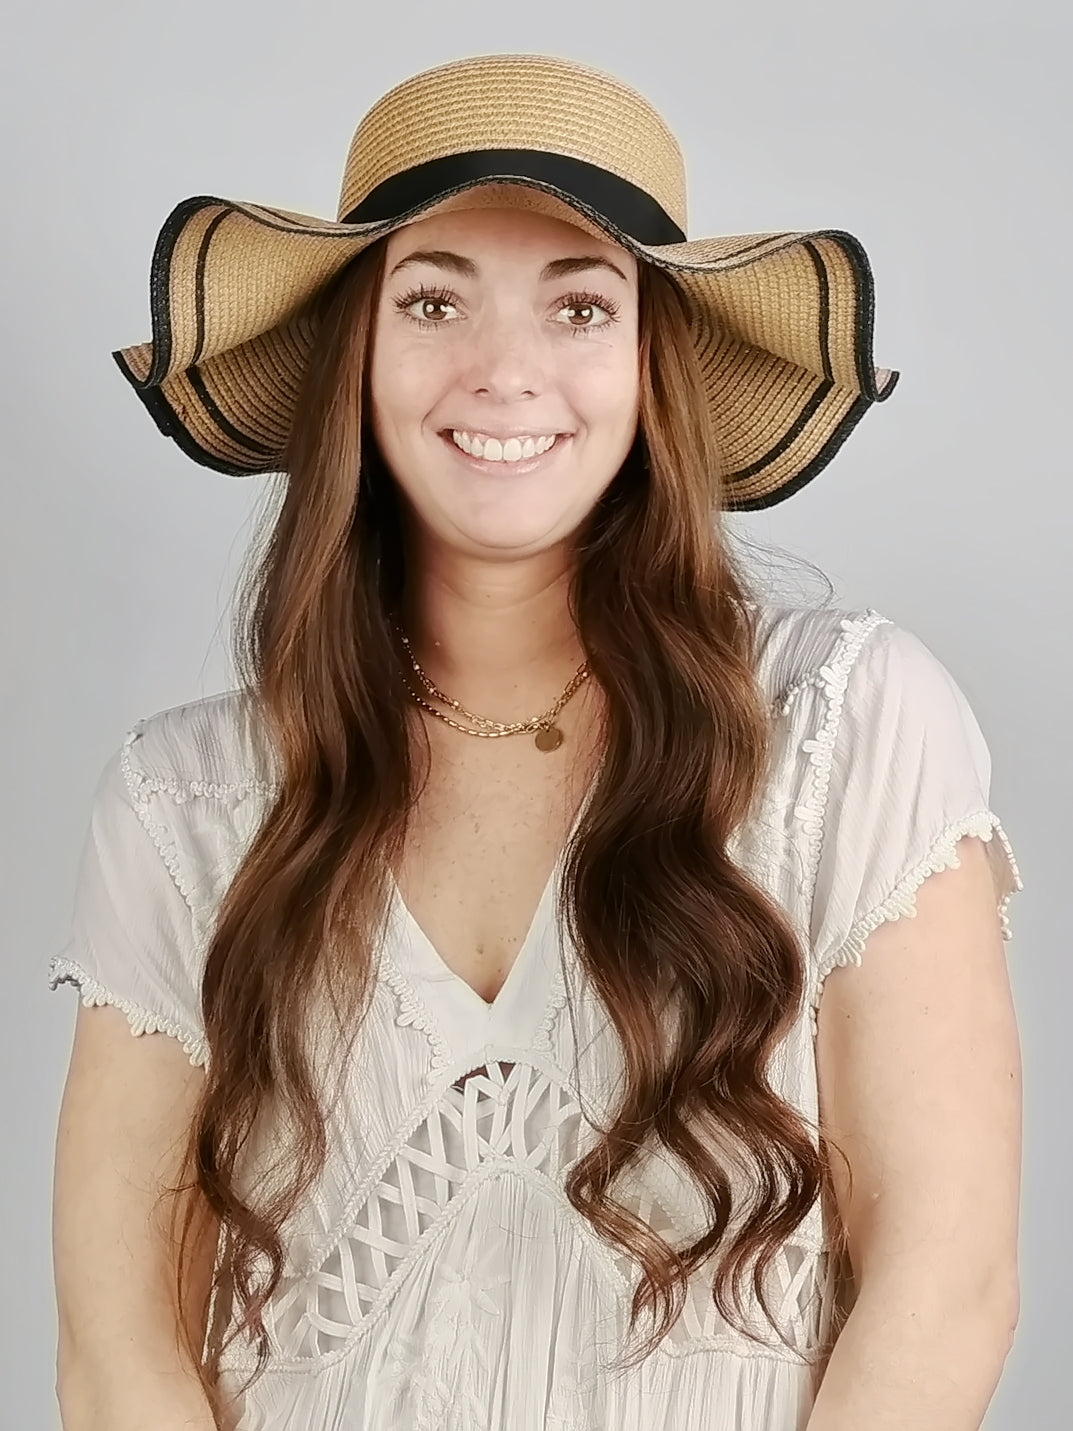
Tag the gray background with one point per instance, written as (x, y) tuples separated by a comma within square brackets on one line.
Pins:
[(939, 134)]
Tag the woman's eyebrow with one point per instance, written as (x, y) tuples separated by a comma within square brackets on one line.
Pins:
[(466, 268)]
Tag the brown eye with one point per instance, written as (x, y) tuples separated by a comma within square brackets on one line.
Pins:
[(582, 314), (423, 305), (427, 308), (584, 309)]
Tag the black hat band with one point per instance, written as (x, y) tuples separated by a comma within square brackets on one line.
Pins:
[(629, 208)]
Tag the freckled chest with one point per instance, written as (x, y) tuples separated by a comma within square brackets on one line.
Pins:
[(484, 839)]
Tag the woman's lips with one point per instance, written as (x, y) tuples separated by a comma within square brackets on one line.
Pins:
[(520, 468)]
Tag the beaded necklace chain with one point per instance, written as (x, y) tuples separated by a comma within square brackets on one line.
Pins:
[(549, 736)]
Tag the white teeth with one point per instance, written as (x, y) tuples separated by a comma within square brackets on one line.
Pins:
[(514, 449)]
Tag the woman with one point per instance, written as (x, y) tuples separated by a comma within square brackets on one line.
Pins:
[(489, 916)]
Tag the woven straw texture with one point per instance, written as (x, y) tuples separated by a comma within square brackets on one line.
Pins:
[(526, 102), (782, 322)]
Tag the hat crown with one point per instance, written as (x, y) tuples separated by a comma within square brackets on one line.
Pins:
[(537, 102)]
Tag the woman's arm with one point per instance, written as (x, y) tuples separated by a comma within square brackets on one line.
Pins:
[(126, 1105), (924, 1359), (919, 1073)]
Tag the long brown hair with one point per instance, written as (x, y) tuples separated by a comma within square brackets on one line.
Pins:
[(655, 906)]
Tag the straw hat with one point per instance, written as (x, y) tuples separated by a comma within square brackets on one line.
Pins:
[(782, 321)]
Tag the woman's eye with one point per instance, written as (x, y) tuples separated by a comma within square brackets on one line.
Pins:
[(586, 310), (426, 309)]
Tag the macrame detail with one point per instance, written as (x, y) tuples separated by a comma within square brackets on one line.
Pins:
[(522, 1122), (519, 1120)]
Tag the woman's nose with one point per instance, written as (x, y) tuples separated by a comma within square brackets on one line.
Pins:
[(507, 358)]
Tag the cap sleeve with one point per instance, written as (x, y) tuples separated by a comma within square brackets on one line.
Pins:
[(907, 773), (132, 941)]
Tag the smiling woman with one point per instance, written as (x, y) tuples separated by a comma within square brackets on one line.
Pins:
[(513, 1024), (511, 354)]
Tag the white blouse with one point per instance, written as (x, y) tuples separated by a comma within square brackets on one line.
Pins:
[(437, 1277)]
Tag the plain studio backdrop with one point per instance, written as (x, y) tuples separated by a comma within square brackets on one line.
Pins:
[(938, 134)]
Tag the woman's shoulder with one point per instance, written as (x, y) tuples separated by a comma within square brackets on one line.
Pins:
[(198, 780), (800, 645), (206, 746)]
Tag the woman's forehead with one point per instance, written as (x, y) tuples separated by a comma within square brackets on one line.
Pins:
[(511, 212)]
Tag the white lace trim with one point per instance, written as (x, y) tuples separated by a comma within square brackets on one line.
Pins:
[(902, 901), (821, 747), (139, 785), (544, 1037), (413, 1012), (141, 1020), (182, 787), (785, 699)]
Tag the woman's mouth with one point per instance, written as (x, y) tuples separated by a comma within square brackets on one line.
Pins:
[(512, 455)]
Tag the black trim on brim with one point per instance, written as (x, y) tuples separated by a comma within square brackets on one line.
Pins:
[(169, 422), (631, 209), (787, 489)]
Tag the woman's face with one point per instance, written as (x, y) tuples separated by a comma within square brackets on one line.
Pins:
[(502, 324)]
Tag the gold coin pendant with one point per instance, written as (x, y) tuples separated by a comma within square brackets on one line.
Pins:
[(549, 738)]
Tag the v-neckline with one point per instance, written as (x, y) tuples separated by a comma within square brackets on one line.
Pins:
[(437, 967)]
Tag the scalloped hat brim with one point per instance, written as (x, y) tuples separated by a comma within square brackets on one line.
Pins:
[(783, 327)]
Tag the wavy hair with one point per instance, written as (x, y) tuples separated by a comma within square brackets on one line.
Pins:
[(660, 915)]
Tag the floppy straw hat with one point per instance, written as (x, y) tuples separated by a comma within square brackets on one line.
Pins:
[(782, 321)]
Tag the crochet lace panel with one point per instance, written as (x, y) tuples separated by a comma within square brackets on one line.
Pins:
[(505, 1119)]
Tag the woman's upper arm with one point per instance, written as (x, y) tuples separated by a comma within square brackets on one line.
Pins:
[(136, 1069), (919, 1072), (917, 1055), (126, 1106)]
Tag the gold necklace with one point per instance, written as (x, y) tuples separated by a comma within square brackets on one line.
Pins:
[(548, 735)]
